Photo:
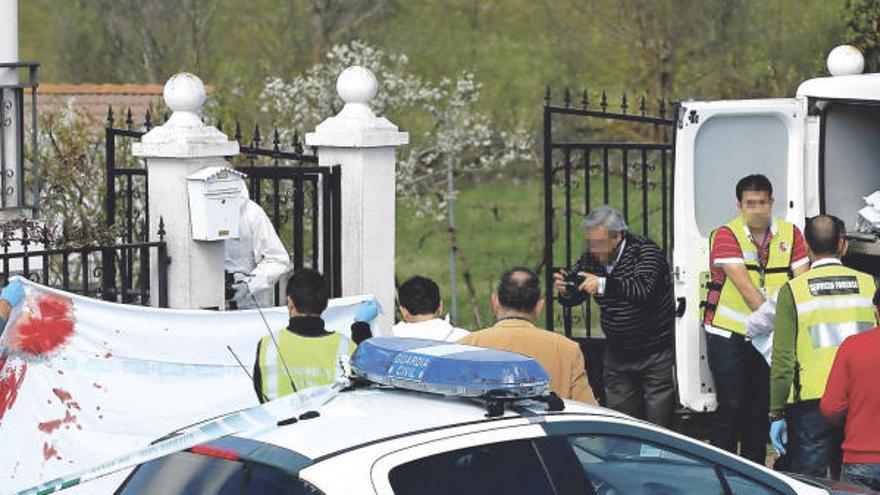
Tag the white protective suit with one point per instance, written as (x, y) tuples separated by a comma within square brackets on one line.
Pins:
[(257, 253), (436, 329)]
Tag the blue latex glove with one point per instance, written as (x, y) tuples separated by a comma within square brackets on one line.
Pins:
[(13, 293), (779, 435), (367, 310)]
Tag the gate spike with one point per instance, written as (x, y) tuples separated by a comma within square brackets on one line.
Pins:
[(585, 99), (642, 108), (547, 97), (623, 105), (161, 231), (255, 142), (662, 108), (604, 103), (276, 140), (147, 123), (297, 144), (567, 98), (237, 131), (129, 121), (109, 115)]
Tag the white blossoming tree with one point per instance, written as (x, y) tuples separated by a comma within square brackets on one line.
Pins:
[(450, 137), (446, 129)]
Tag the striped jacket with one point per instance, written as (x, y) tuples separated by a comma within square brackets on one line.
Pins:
[(637, 308)]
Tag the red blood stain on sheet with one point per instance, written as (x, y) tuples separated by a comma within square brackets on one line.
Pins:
[(49, 451), (49, 426), (68, 419), (62, 394), (11, 377), (47, 329)]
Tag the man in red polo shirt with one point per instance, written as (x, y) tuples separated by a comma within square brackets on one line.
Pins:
[(852, 395), (751, 257)]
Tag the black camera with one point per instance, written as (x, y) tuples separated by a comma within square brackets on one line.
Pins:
[(573, 281)]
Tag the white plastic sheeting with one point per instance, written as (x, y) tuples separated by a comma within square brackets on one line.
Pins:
[(83, 381)]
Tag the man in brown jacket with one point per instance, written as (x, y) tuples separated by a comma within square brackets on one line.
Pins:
[(516, 303)]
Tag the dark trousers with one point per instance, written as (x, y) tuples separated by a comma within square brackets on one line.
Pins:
[(742, 388), (813, 442), (866, 475), (641, 386)]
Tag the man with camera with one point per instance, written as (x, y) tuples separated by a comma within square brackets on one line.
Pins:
[(629, 278)]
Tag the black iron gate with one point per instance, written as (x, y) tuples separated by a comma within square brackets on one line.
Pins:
[(301, 199), (29, 249), (593, 156)]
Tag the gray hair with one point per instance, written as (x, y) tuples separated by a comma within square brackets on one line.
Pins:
[(605, 216)]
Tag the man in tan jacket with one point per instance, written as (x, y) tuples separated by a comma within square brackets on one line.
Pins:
[(516, 303)]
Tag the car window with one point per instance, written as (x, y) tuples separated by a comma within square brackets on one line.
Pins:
[(186, 473), (740, 485), (618, 465), (510, 468)]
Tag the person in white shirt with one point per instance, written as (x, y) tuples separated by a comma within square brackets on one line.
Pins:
[(419, 303)]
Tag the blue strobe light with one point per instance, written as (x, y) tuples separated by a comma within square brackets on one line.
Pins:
[(448, 369)]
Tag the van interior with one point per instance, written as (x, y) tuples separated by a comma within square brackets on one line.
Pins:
[(849, 169)]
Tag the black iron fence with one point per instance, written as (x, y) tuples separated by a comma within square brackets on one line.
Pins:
[(301, 199), (30, 250), (594, 156), (19, 178)]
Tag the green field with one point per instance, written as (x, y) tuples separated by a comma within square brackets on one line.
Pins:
[(500, 224)]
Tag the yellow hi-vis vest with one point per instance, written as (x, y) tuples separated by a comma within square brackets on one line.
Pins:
[(832, 303), (311, 361), (731, 310)]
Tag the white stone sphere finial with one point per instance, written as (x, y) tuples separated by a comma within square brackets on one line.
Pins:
[(845, 60), (184, 94), (184, 135), (357, 86)]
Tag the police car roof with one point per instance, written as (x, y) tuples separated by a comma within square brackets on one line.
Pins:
[(367, 415)]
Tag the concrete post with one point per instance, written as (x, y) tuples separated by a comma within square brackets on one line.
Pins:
[(178, 148), (9, 107), (364, 146)]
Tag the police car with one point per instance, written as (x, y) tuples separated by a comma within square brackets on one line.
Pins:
[(429, 418)]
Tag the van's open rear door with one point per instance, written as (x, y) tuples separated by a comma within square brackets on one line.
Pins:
[(718, 143)]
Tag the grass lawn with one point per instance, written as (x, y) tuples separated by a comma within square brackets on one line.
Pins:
[(500, 225)]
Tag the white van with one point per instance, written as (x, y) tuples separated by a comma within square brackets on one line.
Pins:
[(821, 151)]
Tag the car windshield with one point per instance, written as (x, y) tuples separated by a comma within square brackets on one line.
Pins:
[(193, 474)]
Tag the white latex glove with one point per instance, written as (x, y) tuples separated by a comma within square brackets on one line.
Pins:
[(760, 322), (242, 290)]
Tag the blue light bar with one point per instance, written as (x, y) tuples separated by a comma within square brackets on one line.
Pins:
[(448, 369)]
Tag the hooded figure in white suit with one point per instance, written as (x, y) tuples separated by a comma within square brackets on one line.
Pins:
[(257, 259)]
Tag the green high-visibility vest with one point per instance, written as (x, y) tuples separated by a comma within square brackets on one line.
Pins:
[(311, 361), (731, 310), (832, 302)]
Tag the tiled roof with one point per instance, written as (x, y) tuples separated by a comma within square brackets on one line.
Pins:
[(104, 89)]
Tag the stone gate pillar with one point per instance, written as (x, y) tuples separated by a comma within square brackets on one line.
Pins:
[(173, 151), (364, 145)]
